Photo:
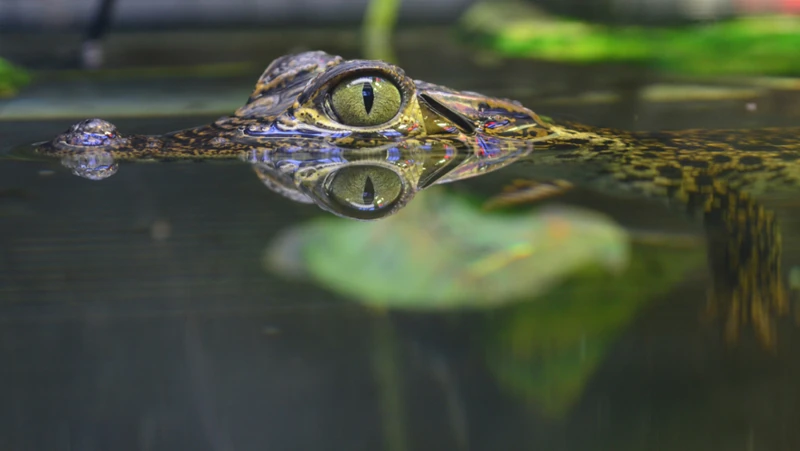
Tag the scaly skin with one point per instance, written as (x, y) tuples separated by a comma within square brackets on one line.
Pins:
[(717, 174), (288, 131), (658, 163), (288, 108)]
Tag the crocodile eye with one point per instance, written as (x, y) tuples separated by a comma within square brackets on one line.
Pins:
[(365, 188), (365, 101)]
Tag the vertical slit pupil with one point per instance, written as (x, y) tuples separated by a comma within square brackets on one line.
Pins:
[(369, 96), (369, 192)]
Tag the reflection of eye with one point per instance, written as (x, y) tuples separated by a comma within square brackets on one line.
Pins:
[(365, 101), (365, 188)]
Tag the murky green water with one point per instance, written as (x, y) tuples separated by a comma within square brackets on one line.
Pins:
[(138, 313)]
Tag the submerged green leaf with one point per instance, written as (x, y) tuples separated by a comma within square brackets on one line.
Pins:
[(546, 351), (441, 251), (444, 252)]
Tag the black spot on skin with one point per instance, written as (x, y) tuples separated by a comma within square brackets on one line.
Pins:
[(756, 147), (579, 142), (560, 146), (671, 190), (750, 160), (715, 148), (693, 163), (641, 167), (670, 172), (704, 180), (716, 136), (692, 146), (636, 178), (787, 156), (721, 159), (649, 155)]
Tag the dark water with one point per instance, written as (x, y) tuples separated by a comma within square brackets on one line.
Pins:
[(136, 313)]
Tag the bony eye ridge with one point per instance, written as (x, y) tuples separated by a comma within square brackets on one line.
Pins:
[(364, 101)]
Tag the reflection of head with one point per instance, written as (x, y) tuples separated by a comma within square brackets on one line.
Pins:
[(356, 137), (361, 190), (373, 183)]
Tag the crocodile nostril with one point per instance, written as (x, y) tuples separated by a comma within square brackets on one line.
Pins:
[(91, 133)]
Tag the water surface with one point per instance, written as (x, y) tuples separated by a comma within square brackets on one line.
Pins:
[(137, 314)]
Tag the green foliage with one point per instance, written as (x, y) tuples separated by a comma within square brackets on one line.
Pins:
[(12, 79), (748, 45), (379, 21)]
